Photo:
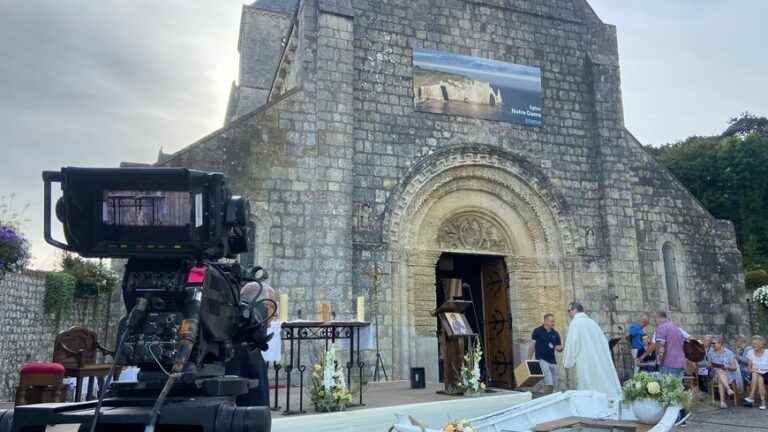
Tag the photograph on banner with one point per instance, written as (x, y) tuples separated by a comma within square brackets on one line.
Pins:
[(447, 83)]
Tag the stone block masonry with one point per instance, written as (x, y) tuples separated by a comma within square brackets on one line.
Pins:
[(347, 177), (27, 333)]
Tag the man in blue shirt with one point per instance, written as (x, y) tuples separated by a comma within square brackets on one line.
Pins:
[(546, 342), (635, 333)]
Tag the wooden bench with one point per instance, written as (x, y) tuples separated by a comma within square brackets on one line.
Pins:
[(611, 425)]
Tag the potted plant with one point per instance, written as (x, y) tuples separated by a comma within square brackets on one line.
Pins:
[(649, 394), (458, 426), (328, 392), (469, 374)]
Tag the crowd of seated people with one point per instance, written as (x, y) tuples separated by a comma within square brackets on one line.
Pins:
[(743, 368)]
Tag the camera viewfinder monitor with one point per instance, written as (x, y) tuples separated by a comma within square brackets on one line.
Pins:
[(127, 212)]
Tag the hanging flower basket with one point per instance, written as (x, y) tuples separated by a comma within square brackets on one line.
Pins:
[(14, 250)]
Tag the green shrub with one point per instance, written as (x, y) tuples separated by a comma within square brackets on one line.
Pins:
[(91, 279), (756, 279), (59, 292)]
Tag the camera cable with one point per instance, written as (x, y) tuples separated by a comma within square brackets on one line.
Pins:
[(134, 319), (154, 357), (188, 332)]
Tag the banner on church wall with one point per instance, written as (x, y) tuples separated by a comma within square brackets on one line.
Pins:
[(446, 83)]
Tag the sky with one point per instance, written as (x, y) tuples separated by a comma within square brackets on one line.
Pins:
[(94, 83)]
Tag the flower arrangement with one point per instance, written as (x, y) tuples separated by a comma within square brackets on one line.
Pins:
[(458, 426), (14, 249), (329, 392), (761, 295), (666, 389), (470, 370)]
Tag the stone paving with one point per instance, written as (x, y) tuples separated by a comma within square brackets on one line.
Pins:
[(378, 395), (711, 419)]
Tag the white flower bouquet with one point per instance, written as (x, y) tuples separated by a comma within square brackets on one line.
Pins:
[(470, 370), (328, 391), (761, 295)]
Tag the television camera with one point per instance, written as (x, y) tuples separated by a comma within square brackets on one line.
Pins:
[(186, 323)]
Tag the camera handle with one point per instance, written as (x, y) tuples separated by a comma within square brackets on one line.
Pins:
[(48, 178)]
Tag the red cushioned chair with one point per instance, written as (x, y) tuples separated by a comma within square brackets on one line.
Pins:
[(40, 383)]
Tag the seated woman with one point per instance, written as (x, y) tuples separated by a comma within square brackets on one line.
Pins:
[(758, 367), (646, 356), (723, 368)]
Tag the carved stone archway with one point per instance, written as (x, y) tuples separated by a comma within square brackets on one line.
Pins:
[(472, 232), (480, 202)]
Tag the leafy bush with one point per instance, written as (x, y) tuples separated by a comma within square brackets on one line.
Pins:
[(755, 279), (729, 175), (59, 292), (91, 279)]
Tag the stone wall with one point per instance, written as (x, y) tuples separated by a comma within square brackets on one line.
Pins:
[(339, 165), (27, 333)]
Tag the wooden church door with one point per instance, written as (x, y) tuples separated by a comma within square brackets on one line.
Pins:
[(497, 318)]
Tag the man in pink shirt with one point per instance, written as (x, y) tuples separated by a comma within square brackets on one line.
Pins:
[(669, 346)]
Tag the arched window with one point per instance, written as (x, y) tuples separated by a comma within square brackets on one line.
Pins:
[(670, 275)]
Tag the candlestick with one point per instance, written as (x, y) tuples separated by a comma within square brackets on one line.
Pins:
[(361, 308), (283, 307)]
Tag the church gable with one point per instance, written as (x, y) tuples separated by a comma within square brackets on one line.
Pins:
[(351, 173)]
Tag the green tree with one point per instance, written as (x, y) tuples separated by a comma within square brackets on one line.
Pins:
[(729, 175)]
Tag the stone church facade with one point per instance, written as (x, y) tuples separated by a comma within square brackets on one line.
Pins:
[(347, 179)]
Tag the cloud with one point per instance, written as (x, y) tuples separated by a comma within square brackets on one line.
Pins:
[(97, 83), (687, 66), (86, 82)]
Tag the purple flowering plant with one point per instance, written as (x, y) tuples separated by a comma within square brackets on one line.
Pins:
[(14, 247), (14, 250)]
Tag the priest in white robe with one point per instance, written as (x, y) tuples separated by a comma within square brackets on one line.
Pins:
[(586, 349)]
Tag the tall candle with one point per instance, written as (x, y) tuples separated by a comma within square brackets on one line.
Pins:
[(361, 308), (283, 307)]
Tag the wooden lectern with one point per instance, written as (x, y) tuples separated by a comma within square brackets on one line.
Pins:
[(455, 336)]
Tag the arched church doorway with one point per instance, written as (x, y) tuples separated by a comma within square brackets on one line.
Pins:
[(476, 201), (485, 285)]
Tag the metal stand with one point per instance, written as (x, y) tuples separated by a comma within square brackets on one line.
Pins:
[(379, 360), (375, 276)]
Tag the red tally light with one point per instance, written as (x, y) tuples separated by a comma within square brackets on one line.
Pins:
[(196, 275)]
